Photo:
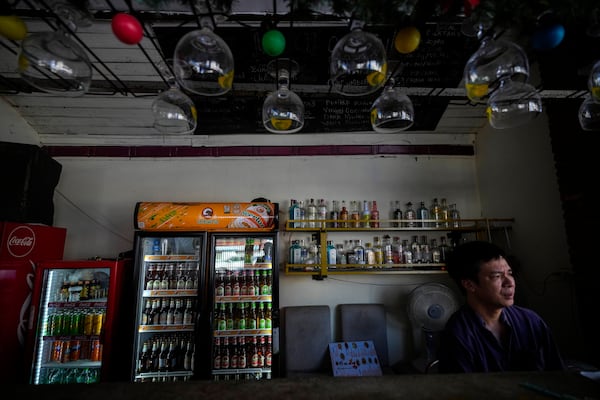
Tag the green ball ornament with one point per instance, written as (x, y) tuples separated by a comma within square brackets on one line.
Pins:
[(273, 42)]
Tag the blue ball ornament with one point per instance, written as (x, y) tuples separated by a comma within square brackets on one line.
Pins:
[(548, 37)]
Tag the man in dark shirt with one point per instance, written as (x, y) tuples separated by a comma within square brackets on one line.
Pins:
[(489, 333)]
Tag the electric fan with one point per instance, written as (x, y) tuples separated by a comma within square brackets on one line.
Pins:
[(429, 307)]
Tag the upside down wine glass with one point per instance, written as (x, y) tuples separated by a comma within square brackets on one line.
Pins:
[(283, 110)]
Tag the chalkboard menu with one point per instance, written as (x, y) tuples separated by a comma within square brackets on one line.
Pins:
[(437, 63)]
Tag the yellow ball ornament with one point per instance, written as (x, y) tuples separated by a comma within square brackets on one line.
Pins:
[(407, 40), (12, 27)]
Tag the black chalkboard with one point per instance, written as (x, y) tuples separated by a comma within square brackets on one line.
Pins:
[(437, 63)]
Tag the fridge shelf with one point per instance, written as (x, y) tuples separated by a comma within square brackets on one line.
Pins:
[(170, 258), (255, 372), (166, 328), (72, 364), (233, 299), (244, 332), (97, 303), (170, 293), (52, 338), (162, 375)]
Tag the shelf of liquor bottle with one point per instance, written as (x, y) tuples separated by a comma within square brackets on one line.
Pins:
[(170, 293), (458, 225), (243, 332), (421, 268), (92, 303), (170, 258), (235, 265), (72, 364), (166, 328)]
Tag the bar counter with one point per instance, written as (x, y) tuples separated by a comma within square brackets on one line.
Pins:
[(542, 385)]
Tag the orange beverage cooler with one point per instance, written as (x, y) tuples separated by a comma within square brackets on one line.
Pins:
[(206, 291)]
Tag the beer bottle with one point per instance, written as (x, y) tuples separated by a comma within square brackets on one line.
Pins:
[(178, 315), (216, 354), (269, 352), (163, 356), (143, 358), (251, 322), (225, 360), (229, 317), (155, 312), (250, 283), (235, 285), (264, 286), (242, 353), (253, 353), (261, 352), (228, 283), (146, 318), (164, 283), (171, 312), (154, 356), (150, 271), (164, 310), (233, 352), (157, 277), (222, 318), (188, 314), (243, 283), (172, 357), (261, 317), (241, 316), (268, 315), (270, 281), (220, 284)]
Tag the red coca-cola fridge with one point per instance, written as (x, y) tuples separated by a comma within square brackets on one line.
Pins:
[(205, 285), (78, 321), (22, 245)]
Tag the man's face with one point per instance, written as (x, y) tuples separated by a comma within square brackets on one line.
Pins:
[(496, 287)]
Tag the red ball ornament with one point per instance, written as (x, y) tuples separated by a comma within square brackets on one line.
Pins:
[(127, 28)]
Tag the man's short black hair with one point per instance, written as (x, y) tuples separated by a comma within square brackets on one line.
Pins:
[(464, 262)]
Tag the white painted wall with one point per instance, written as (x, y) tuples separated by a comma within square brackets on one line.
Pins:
[(512, 175)]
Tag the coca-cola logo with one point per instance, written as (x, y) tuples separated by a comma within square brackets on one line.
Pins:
[(21, 241)]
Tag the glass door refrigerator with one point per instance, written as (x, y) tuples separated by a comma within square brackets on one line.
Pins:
[(184, 255), (77, 321)]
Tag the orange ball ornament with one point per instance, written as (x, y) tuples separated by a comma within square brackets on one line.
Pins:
[(407, 40)]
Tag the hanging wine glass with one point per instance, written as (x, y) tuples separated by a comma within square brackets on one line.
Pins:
[(392, 111), (202, 62), (283, 110), (594, 81), (358, 64), (589, 114), (52, 61), (513, 104), (174, 112), (495, 59)]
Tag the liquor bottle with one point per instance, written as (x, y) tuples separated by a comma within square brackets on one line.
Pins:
[(407, 255), (359, 252), (445, 212), (349, 251), (322, 213), (331, 253), (334, 214), (369, 255), (374, 222), (454, 216), (435, 252), (423, 214), (302, 214), (340, 256), (142, 365), (365, 214), (311, 214), (294, 213), (344, 215), (378, 250), (388, 252), (354, 214), (295, 253), (444, 249), (410, 215), (425, 250), (436, 213), (396, 214), (415, 248), (216, 358), (397, 250)]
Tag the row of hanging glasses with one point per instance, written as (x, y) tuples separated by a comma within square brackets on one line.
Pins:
[(202, 64)]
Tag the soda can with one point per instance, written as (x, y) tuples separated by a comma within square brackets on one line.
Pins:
[(96, 351), (76, 323), (66, 354), (97, 323), (88, 323), (65, 326), (57, 350), (75, 350)]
